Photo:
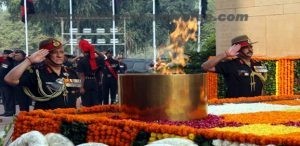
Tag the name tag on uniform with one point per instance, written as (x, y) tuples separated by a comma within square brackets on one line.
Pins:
[(261, 69), (243, 73)]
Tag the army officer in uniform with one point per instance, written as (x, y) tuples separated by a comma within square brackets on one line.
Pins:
[(243, 76), (45, 79)]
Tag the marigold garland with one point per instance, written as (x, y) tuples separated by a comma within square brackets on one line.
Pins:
[(212, 84), (284, 77), (117, 132)]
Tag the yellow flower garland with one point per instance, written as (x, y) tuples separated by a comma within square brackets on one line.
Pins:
[(123, 131)]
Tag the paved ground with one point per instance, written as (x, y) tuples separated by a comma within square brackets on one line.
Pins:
[(4, 120)]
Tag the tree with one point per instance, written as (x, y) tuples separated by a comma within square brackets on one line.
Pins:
[(138, 15), (139, 24), (12, 34)]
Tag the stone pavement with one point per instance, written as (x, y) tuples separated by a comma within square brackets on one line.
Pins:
[(4, 120)]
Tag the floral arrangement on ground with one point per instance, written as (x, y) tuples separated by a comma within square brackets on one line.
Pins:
[(276, 123)]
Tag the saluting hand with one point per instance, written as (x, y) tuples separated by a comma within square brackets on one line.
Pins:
[(38, 56), (233, 50)]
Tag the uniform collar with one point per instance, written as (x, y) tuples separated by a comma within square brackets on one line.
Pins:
[(50, 70), (241, 61)]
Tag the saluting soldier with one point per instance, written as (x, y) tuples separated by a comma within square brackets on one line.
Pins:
[(45, 79), (23, 100), (243, 76), (7, 90), (110, 78), (88, 68)]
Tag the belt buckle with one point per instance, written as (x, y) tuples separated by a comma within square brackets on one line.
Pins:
[(109, 75)]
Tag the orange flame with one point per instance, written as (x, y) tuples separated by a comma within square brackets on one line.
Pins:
[(184, 32)]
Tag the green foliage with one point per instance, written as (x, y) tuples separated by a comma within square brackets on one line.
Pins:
[(12, 34), (221, 87), (75, 131), (139, 22), (95, 13), (270, 85), (197, 58), (297, 77), (6, 130)]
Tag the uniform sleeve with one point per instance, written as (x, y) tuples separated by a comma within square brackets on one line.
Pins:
[(100, 62), (80, 66), (28, 79), (3, 70), (118, 66), (223, 67)]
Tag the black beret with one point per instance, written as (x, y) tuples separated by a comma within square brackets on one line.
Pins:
[(20, 51), (7, 51)]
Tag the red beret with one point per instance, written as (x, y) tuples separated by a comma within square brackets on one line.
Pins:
[(244, 43), (50, 44), (85, 46)]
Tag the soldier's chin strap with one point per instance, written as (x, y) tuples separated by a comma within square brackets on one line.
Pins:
[(45, 96)]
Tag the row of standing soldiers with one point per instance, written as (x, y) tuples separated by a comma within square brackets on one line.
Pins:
[(98, 75)]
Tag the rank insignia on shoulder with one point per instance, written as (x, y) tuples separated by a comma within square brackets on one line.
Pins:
[(4, 66), (260, 69)]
